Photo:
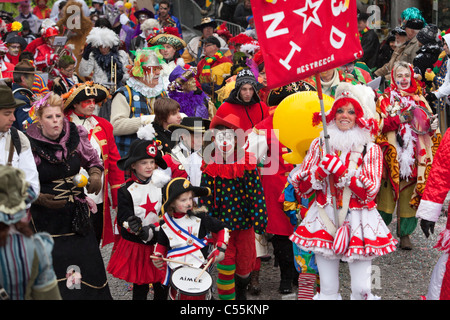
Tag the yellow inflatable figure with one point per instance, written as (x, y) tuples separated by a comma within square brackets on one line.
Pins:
[(293, 119)]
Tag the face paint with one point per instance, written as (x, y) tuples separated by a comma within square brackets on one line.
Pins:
[(87, 103), (225, 141)]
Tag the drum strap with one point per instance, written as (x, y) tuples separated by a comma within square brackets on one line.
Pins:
[(195, 243)]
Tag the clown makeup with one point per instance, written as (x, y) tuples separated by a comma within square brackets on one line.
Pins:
[(402, 78), (151, 76), (14, 49), (85, 108), (345, 117), (225, 141), (143, 169), (184, 202)]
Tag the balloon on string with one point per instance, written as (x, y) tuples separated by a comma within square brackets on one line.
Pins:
[(292, 122)]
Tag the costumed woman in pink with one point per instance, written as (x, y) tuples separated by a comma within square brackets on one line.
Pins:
[(436, 190), (353, 170)]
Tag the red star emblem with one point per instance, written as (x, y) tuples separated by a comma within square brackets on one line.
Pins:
[(149, 206)]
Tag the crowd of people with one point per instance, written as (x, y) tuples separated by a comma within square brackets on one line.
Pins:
[(115, 129)]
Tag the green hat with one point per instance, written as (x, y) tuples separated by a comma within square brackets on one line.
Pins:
[(7, 99)]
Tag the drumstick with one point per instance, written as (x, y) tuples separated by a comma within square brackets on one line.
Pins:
[(171, 260), (203, 270)]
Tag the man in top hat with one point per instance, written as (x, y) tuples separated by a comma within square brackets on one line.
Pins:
[(185, 159), (15, 147), (195, 47), (132, 105), (214, 67), (23, 79), (79, 106)]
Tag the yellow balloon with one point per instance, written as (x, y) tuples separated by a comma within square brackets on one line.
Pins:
[(293, 119)]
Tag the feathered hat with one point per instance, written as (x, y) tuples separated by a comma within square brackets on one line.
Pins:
[(144, 60), (102, 37)]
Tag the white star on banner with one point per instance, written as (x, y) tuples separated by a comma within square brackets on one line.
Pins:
[(308, 14)]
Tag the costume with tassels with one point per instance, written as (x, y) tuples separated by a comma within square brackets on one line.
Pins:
[(353, 170)]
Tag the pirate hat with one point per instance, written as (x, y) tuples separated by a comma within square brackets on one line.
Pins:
[(179, 186), (142, 149), (277, 95), (206, 22), (192, 124), (166, 38), (84, 91)]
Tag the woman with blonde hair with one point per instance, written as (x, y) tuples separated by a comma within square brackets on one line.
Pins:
[(62, 209)]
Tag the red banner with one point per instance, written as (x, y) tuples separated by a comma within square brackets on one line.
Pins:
[(300, 38)]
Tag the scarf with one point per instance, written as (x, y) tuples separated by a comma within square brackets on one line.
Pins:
[(104, 62), (206, 70)]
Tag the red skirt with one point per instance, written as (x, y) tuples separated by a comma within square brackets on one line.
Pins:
[(131, 262)]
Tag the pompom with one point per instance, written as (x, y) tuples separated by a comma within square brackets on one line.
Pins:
[(160, 178), (146, 132)]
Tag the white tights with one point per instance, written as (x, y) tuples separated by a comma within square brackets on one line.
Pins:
[(360, 273)]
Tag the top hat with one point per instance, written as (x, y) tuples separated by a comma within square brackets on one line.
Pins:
[(192, 124), (177, 187), (85, 91), (142, 149), (7, 99), (206, 22)]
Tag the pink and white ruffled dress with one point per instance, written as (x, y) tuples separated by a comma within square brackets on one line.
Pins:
[(369, 236)]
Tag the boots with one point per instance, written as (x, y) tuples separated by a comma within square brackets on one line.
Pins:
[(254, 287), (241, 287), (405, 243)]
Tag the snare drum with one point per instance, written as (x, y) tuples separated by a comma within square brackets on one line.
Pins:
[(184, 287)]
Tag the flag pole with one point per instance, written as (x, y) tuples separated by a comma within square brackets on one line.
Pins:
[(327, 147)]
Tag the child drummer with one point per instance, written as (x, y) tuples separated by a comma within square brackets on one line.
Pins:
[(183, 235)]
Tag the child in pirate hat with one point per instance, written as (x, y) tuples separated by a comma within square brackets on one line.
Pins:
[(183, 235), (139, 204)]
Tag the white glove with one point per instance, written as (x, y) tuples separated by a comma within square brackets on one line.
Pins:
[(434, 122), (159, 263), (124, 19), (147, 119)]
